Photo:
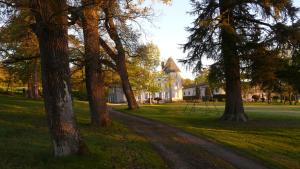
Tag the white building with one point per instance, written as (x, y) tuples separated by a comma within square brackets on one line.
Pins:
[(195, 92), (170, 83), (116, 94), (199, 91)]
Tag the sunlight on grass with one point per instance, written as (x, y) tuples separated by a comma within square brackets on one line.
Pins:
[(272, 135)]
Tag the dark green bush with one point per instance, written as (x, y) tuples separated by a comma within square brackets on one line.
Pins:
[(80, 95), (219, 97), (255, 97)]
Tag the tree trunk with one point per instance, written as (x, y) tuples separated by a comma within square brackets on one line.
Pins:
[(32, 82), (234, 109), (122, 70), (93, 69), (120, 58), (290, 98), (51, 30), (29, 86), (269, 97), (35, 91), (150, 98)]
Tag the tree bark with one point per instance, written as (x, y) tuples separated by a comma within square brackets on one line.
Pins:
[(51, 30), (120, 58), (29, 87), (234, 109), (35, 92), (93, 69), (32, 81), (122, 71)]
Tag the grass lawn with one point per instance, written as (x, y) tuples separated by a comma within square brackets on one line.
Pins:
[(272, 135), (25, 142)]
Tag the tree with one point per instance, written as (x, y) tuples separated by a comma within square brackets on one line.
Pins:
[(93, 67), (118, 55), (187, 82), (120, 39), (202, 77), (147, 56), (143, 64), (50, 27), (230, 31), (17, 36)]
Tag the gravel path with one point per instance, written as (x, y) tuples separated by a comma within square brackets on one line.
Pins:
[(181, 150)]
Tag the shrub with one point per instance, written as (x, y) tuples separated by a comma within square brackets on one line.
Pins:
[(275, 98), (255, 97), (219, 97), (157, 99), (80, 95)]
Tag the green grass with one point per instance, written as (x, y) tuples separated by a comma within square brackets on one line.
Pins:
[(25, 142), (272, 135)]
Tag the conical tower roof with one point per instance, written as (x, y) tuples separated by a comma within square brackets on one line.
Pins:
[(170, 66)]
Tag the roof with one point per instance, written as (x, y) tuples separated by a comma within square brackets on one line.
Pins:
[(204, 84), (170, 66)]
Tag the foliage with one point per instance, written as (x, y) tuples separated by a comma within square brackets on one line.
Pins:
[(216, 75), (219, 97), (250, 31), (187, 82), (202, 77), (147, 56), (142, 69), (19, 48)]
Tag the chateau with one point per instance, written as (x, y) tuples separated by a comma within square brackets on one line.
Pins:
[(170, 83)]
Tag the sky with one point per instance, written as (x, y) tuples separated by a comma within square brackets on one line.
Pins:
[(168, 31)]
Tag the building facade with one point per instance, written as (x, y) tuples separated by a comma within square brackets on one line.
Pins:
[(170, 84), (200, 91)]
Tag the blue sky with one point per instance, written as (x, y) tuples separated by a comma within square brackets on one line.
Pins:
[(168, 30)]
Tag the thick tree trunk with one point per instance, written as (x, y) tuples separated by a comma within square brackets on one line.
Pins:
[(122, 70), (93, 68), (234, 109), (51, 30)]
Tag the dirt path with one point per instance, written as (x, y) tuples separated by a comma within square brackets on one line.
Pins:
[(182, 150)]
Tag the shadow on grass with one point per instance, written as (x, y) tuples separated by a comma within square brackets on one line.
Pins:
[(26, 144)]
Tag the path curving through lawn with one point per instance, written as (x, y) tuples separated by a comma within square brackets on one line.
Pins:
[(182, 150)]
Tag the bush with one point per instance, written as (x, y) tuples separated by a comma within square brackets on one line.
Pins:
[(219, 97), (255, 97), (14, 91), (157, 99), (207, 98), (80, 95), (275, 98)]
